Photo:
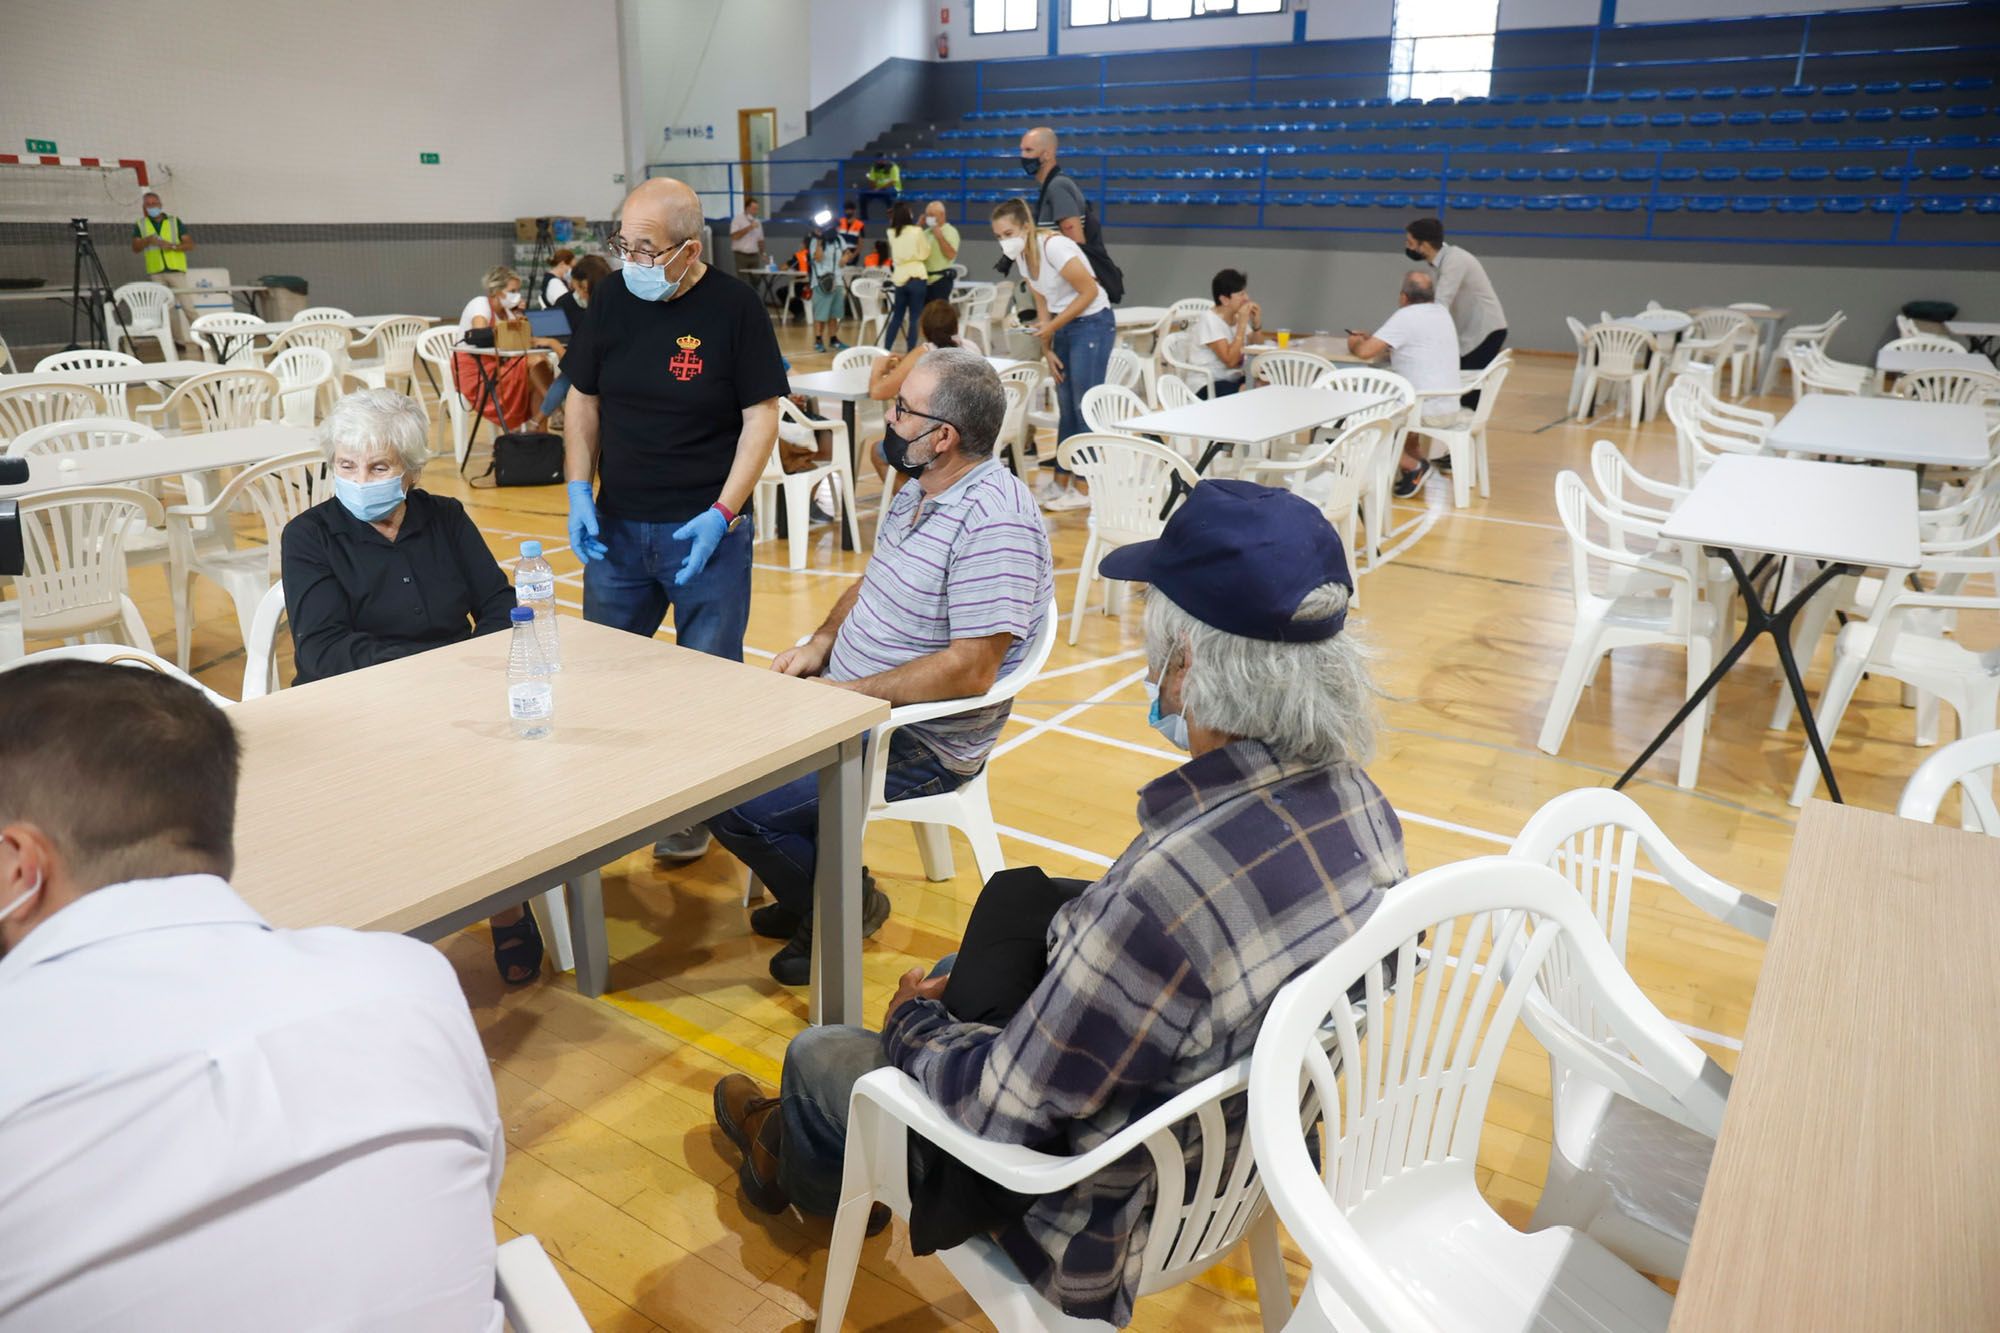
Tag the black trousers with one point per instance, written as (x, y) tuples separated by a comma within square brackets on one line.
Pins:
[(1479, 358), (940, 288)]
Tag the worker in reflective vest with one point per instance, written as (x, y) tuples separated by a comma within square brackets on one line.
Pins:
[(162, 240)]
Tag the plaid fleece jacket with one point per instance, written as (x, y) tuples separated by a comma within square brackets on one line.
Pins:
[(1246, 870)]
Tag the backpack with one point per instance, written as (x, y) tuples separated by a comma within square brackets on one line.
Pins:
[(1109, 276)]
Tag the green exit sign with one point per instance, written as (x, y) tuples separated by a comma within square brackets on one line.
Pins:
[(427, 159), (41, 145)]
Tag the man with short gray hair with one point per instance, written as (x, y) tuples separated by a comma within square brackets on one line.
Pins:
[(1422, 346), (960, 581)]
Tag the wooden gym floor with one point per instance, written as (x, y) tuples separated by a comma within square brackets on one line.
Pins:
[(613, 1160)]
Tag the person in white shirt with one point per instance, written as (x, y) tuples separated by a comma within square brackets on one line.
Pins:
[(557, 284), (746, 239), (208, 1123), (1422, 346), (1074, 325), (1224, 334), (1465, 292)]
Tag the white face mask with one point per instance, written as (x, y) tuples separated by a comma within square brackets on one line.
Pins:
[(1013, 246), (511, 299), (15, 906)]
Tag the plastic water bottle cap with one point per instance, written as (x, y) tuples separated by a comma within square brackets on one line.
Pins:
[(531, 550), (522, 615)]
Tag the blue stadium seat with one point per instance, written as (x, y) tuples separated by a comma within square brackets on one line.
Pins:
[(1910, 141), (1693, 146), (1637, 174), (1682, 94), (1503, 203), (1655, 145), (1720, 93), (1920, 113), (1557, 122), (1592, 122), (1607, 97), (1614, 146), (1572, 98), (1965, 111), (1628, 120), (1854, 173), (1732, 145), (1820, 144), (1829, 116), (1560, 175), (1963, 140), (1667, 203), (1798, 90), (1464, 203), (1624, 203), (1750, 203), (1442, 101), (1503, 99), (1707, 203), (1489, 123), (1678, 174), (1581, 203), (1541, 203), (1975, 83), (1419, 125), (1705, 119), (1417, 174), (1381, 173), (1779, 144), (1758, 92), (1763, 175), (1891, 203), (1537, 99), (1643, 95), (1902, 172), (1990, 172), (1797, 203), (1945, 203), (1808, 173), (1842, 203), (1668, 119), (1839, 89), (1788, 116), (1485, 174), (1882, 88), (1523, 173), (1597, 175), (1924, 87), (1986, 203), (1867, 141), (1456, 124), (1746, 118), (1719, 173)]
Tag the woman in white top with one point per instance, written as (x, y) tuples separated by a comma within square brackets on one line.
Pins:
[(1074, 325), (1223, 335), (519, 382), (558, 285)]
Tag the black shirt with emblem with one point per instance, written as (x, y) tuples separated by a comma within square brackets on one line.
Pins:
[(672, 379), (355, 598)]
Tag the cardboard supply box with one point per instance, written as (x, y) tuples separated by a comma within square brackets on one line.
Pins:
[(512, 335), (524, 228)]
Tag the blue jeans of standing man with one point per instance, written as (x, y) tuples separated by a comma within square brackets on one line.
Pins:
[(1084, 347), (777, 834), (909, 302), (632, 587)]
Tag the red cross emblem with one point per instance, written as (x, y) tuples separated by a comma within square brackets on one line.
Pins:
[(685, 364)]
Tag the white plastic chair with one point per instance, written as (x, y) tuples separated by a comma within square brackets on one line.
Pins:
[(226, 399), (151, 309), (1397, 405), (321, 314), (434, 353), (1186, 1236), (26, 406), (1124, 369), (1980, 388), (1030, 377), (329, 338), (116, 654), (1105, 405), (1610, 614), (260, 650), (1130, 479), (1705, 428), (1581, 332), (6, 358), (274, 493), (1624, 355), (1715, 339), (871, 307), (1923, 342), (304, 374), (1014, 435), (1302, 369), (1816, 336), (531, 1291), (1627, 1173), (90, 359), (224, 338), (1185, 312), (1335, 476), (796, 488), (1466, 443), (1969, 764), (76, 435), (1391, 1218), (1176, 359), (73, 578), (1813, 371), (395, 342)]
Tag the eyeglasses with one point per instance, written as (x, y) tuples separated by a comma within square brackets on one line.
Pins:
[(903, 409), (629, 254)]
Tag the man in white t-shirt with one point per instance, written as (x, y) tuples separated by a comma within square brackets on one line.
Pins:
[(1422, 346), (1224, 334), (746, 239)]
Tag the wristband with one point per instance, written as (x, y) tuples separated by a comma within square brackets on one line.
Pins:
[(728, 514)]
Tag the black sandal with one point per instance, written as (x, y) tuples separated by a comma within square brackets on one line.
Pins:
[(517, 950)]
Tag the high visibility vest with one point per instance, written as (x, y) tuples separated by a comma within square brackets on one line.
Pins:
[(168, 229)]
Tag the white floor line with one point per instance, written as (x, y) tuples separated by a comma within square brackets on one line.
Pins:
[(1091, 665), (1050, 844), (787, 569), (1490, 518), (1416, 531), (1693, 1032), (1038, 728)]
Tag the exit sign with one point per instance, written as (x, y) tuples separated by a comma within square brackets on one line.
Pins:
[(41, 145), (427, 159)]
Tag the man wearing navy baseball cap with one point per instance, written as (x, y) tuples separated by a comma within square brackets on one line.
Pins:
[(1254, 859)]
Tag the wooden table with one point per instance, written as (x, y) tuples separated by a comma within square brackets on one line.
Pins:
[(172, 455), (1883, 430), (649, 738), (1856, 1182)]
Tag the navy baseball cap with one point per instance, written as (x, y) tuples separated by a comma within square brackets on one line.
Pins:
[(1241, 557)]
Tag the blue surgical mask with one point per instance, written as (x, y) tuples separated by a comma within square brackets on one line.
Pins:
[(155, 211), (369, 501), (649, 282), (1171, 725)]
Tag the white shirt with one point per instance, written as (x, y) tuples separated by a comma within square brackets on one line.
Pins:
[(750, 242), (206, 1123), (1058, 251), (480, 308), (1464, 289), (1210, 327), (1423, 349), (553, 289)]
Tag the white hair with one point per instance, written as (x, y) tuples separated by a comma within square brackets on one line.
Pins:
[(1311, 702), (373, 421)]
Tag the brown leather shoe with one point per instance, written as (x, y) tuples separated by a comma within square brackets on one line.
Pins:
[(737, 1096), (759, 1173)]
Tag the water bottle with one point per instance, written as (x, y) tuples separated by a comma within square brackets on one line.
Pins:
[(535, 588), (531, 694)]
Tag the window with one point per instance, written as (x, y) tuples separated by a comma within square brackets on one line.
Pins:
[(1005, 16), (1095, 13), (1442, 48)]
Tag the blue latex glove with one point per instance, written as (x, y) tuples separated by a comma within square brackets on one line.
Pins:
[(583, 523), (703, 532)]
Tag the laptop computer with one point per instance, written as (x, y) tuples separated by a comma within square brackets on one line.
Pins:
[(548, 323)]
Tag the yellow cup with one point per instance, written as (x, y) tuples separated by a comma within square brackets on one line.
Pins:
[(1284, 338)]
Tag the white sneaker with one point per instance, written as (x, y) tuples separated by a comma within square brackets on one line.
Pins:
[(1071, 499), (1046, 489)]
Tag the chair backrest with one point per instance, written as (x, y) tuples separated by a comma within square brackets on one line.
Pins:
[(1334, 476), (1596, 562), (1579, 331), (149, 297), (321, 314), (277, 491), (1718, 326), (1028, 374), (6, 357), (87, 359), (73, 542), (1123, 369), (1701, 434), (117, 654), (1177, 351), (847, 358), (1173, 391), (870, 297), (1968, 763), (1624, 487), (225, 399), (304, 374), (433, 349), (1619, 349), (26, 406), (1289, 367), (1489, 384), (1948, 386), (260, 652), (395, 338), (1105, 405), (1923, 342), (1186, 311), (1408, 1090), (1129, 480), (329, 338), (77, 434), (1907, 327)]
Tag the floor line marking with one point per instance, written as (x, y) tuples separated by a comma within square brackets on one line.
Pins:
[(1091, 665), (1050, 844), (761, 1067), (1491, 518), (1006, 747)]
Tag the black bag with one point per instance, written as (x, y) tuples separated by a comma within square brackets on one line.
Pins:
[(526, 458), (1109, 276)]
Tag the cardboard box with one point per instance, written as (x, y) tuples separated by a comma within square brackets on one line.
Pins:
[(524, 228)]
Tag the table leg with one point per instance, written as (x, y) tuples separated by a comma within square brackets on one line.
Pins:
[(1756, 620), (836, 973), (850, 413), (587, 940)]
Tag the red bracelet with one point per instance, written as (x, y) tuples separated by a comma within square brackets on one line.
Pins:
[(728, 515)]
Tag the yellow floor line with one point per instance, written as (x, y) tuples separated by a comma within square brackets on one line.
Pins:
[(760, 1067)]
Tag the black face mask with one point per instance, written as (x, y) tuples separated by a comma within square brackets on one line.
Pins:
[(1032, 165), (897, 450), (1416, 255)]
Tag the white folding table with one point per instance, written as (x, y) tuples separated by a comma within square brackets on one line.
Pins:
[(172, 455), (1131, 317), (1903, 360), (1251, 417), (153, 372), (1883, 430), (1846, 517), (1980, 335)]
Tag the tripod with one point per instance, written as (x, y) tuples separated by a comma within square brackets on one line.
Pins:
[(538, 264), (87, 302)]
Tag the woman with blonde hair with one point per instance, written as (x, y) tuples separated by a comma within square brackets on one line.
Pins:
[(1074, 325), (520, 382)]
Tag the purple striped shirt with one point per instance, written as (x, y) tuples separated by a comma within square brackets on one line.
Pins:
[(974, 562)]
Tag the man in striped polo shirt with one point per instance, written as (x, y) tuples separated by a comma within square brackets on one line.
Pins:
[(959, 582)]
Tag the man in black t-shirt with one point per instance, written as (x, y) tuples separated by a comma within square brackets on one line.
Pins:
[(673, 407)]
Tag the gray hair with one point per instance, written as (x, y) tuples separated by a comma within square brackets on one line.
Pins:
[(373, 420), (966, 392), (497, 278), (1418, 287), (1313, 703)]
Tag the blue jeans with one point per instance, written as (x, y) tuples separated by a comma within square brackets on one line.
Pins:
[(633, 585), (909, 302), (867, 197), (777, 834), (557, 392), (1084, 347), (822, 1065)]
